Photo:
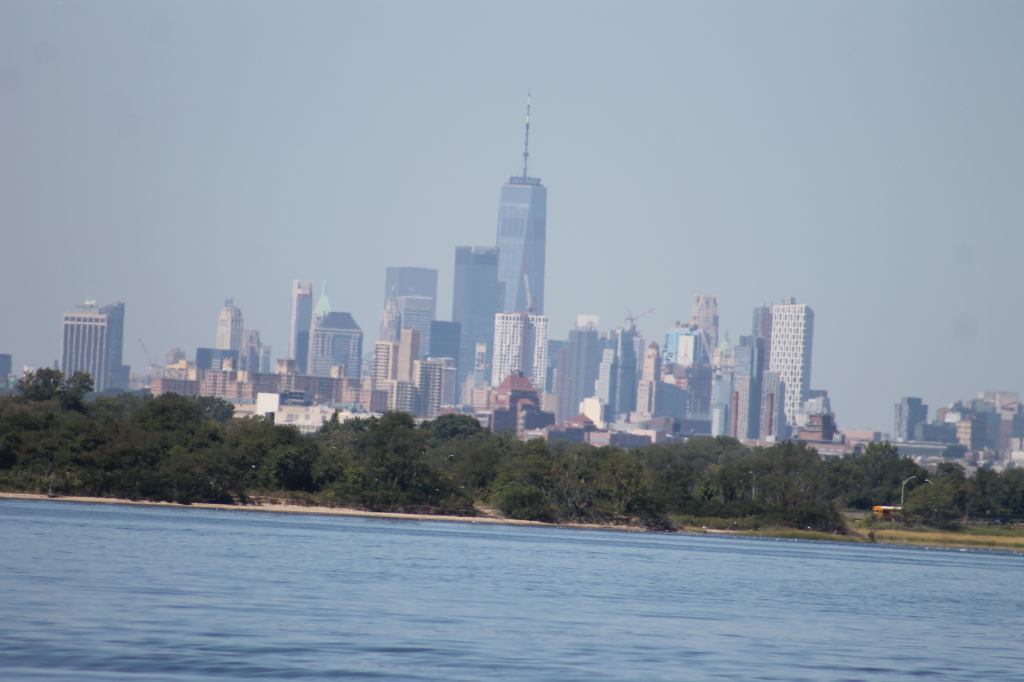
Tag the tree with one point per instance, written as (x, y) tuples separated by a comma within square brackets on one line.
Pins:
[(452, 427), (51, 384), (41, 384), (937, 504), (524, 485)]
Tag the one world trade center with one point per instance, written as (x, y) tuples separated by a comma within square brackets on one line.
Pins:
[(522, 219)]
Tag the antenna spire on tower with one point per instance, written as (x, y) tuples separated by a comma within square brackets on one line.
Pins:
[(526, 141)]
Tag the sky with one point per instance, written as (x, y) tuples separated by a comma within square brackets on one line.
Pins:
[(864, 157)]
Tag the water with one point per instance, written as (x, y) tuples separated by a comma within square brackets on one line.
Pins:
[(111, 592)]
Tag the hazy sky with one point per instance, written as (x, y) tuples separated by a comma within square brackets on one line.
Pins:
[(867, 158)]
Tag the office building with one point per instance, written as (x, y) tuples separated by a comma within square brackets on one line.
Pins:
[(522, 225), (445, 338), (761, 328), (335, 340), (92, 342), (555, 347), (578, 372), (476, 298), (627, 359), (117, 372), (721, 399), (748, 369), (301, 321), (606, 388), (790, 357), (520, 345), (229, 326), (5, 369), (909, 413), (773, 402), (411, 281), (417, 312)]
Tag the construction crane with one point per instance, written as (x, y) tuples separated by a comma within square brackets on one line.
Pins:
[(145, 351), (631, 318)]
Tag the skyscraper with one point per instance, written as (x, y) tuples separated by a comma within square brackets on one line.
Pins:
[(444, 340), (92, 341), (411, 281), (390, 321), (773, 401), (229, 326), (335, 340), (301, 320), (476, 298), (520, 345), (522, 225), (579, 372), (749, 366), (117, 372), (627, 360), (416, 312), (792, 339), (762, 329), (650, 377), (435, 385), (255, 355), (909, 413), (705, 318), (606, 387), (385, 363), (408, 354)]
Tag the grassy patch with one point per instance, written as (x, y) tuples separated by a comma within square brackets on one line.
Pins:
[(958, 538)]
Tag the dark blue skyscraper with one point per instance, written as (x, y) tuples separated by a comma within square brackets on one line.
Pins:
[(444, 340), (476, 297), (522, 224), (626, 366), (578, 373)]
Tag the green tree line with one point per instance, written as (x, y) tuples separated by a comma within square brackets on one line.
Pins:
[(54, 440)]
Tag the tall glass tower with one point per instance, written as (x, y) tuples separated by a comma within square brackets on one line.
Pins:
[(522, 223)]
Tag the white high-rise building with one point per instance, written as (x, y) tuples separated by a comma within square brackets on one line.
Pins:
[(229, 326), (792, 336), (520, 345), (435, 385), (84, 346), (91, 342)]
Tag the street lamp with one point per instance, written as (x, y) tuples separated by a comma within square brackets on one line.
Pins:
[(903, 488), (753, 485)]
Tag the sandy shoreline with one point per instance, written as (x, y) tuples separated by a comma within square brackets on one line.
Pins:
[(906, 540), (320, 511)]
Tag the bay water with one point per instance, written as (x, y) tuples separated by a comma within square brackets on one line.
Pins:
[(109, 592)]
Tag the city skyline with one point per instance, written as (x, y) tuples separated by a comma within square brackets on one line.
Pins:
[(759, 177)]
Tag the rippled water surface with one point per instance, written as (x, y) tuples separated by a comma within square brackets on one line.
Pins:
[(112, 592)]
